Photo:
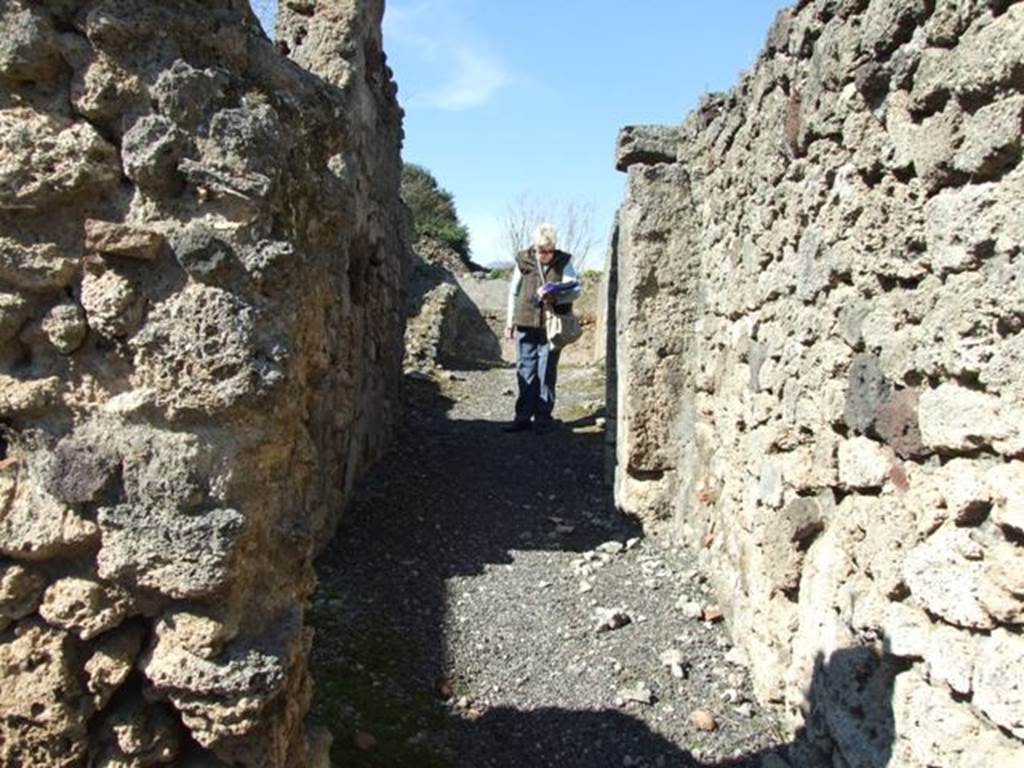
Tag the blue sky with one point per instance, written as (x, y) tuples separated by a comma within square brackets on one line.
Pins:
[(505, 99)]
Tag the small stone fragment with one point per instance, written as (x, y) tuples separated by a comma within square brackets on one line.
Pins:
[(738, 657), (639, 693), (690, 609), (611, 547), (612, 618), (713, 613), (673, 659)]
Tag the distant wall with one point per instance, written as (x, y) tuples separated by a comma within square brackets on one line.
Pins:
[(201, 275), (820, 367), (489, 296)]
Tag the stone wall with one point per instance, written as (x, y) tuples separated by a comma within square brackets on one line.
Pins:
[(201, 276), (820, 299)]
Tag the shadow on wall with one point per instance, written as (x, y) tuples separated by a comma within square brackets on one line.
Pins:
[(444, 505)]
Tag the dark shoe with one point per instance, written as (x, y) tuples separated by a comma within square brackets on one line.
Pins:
[(517, 426)]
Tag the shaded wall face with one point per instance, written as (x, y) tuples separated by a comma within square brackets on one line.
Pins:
[(201, 271), (819, 349)]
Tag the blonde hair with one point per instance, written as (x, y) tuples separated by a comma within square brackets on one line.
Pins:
[(544, 235)]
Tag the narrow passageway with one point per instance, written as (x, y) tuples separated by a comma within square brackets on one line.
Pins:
[(458, 608)]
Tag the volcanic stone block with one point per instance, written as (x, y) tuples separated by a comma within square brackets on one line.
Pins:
[(151, 150), (867, 389), (896, 423), (181, 555), (202, 254), (646, 145)]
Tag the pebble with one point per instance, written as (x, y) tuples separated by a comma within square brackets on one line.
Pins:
[(673, 659), (611, 547), (585, 586), (365, 741), (703, 720), (746, 709)]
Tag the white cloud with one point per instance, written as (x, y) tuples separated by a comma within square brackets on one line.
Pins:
[(454, 69), (477, 79), (485, 237)]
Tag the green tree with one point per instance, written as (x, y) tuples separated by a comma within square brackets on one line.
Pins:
[(433, 210)]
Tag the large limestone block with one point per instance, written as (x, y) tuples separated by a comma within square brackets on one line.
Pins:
[(39, 686), (954, 418), (84, 607), (965, 490), (48, 161), (20, 591), (1006, 482), (863, 463), (887, 24), (999, 681), (933, 729), (964, 225), (945, 574), (34, 525)]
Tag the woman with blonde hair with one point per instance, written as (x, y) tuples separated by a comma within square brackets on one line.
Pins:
[(543, 281)]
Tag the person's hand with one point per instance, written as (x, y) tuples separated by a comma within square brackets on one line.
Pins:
[(509, 332)]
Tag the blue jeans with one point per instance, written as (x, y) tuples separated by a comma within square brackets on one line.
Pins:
[(537, 373)]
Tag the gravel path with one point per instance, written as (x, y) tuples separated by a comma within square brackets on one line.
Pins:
[(459, 606)]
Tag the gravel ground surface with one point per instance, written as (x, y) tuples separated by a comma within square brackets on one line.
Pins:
[(483, 604)]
